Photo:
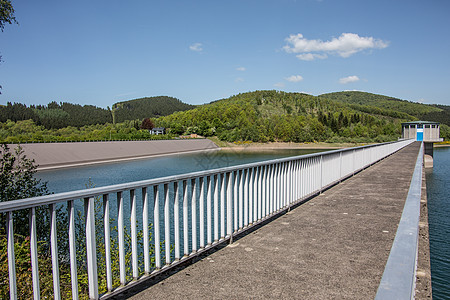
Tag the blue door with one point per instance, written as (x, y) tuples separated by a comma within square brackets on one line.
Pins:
[(420, 133), (420, 136)]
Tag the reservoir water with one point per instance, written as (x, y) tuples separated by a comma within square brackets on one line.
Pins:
[(70, 179), (438, 190), (438, 194)]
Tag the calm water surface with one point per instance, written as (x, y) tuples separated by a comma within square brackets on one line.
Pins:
[(438, 193), (71, 179)]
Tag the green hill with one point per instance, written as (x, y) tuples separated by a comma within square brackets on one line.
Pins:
[(389, 106), (295, 117), (149, 107)]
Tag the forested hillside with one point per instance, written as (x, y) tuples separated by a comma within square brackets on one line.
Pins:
[(258, 116), (55, 115), (442, 116), (149, 107), (290, 117), (59, 115), (397, 108)]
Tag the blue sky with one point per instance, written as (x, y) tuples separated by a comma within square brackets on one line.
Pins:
[(101, 52)]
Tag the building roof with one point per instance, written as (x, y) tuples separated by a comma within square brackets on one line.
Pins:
[(420, 122), (158, 128)]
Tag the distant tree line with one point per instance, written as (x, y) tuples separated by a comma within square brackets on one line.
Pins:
[(59, 115), (28, 131), (55, 115)]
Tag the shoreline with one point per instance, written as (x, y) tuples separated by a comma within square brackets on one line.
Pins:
[(66, 155), (231, 147), (110, 161)]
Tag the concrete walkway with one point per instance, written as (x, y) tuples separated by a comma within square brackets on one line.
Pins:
[(334, 246)]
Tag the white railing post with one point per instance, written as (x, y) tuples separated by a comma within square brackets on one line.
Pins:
[(229, 176), (241, 199), (259, 171), (33, 248), (298, 180), (11, 256), (54, 252), (107, 237), (263, 189), (321, 173), (251, 195), (72, 251), (222, 206), (288, 183), (277, 186), (145, 232), (185, 219), (194, 214), (283, 185), (216, 207), (167, 223), (235, 199), (208, 210), (133, 224), (270, 189), (156, 227), (176, 224), (121, 237), (202, 212), (91, 247), (245, 173)]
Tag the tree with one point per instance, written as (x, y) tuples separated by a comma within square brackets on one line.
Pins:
[(17, 182), (147, 124), (6, 14)]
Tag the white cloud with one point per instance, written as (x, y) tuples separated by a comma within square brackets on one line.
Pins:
[(197, 47), (311, 56), (348, 79), (294, 78), (242, 69), (239, 79), (345, 45), (279, 84)]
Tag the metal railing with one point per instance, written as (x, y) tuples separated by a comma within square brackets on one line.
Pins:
[(189, 214), (399, 276)]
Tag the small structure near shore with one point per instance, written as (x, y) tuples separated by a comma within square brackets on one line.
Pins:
[(158, 130), (426, 132)]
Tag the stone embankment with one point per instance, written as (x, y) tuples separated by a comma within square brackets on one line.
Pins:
[(60, 155)]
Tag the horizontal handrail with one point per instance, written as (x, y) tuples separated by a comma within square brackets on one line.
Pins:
[(399, 276), (189, 213), (61, 197)]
